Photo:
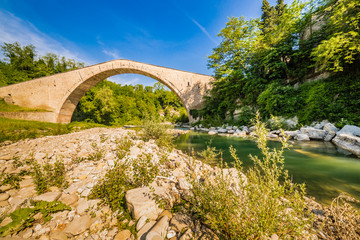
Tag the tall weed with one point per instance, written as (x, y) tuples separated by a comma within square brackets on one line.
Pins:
[(264, 203)]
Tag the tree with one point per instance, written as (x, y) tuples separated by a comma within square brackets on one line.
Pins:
[(342, 28)]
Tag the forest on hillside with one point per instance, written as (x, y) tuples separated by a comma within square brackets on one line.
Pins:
[(266, 64), (107, 103)]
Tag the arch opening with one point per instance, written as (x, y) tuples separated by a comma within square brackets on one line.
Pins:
[(79, 90)]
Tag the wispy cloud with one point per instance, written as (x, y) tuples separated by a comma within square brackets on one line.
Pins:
[(14, 29), (202, 28), (113, 53)]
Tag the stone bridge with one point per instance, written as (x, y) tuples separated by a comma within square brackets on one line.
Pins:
[(59, 94)]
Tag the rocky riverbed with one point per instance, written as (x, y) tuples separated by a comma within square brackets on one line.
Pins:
[(347, 139), (88, 218)]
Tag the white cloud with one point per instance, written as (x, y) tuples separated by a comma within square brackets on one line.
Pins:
[(14, 29), (113, 53)]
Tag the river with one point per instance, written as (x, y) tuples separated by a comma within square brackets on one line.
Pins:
[(325, 171)]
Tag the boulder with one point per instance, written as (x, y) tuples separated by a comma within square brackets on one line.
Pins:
[(320, 125), (212, 132), (350, 129), (331, 131), (348, 142), (302, 137), (231, 131), (313, 133), (291, 134), (142, 202), (222, 130)]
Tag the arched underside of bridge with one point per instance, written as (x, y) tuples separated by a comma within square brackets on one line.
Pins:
[(59, 94)]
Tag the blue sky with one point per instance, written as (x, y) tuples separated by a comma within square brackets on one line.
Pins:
[(172, 33)]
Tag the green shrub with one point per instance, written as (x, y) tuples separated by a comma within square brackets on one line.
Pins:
[(266, 203), (125, 175), (23, 217), (97, 153), (49, 175), (123, 147), (156, 130)]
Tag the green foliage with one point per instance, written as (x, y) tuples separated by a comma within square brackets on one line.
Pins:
[(263, 203), (342, 27), (23, 217), (158, 131), (334, 98), (15, 130), (123, 146), (245, 116), (97, 153), (4, 107), (125, 175), (279, 100), (112, 104), (13, 179), (49, 175), (209, 154), (144, 170), (22, 64), (259, 61)]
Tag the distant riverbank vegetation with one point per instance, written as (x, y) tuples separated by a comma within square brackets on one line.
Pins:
[(301, 59), (107, 103)]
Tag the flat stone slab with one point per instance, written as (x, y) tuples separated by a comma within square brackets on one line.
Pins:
[(48, 197), (78, 225)]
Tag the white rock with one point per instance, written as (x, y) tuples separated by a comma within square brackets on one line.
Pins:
[(314, 133), (350, 129), (331, 131), (348, 142), (212, 132), (222, 130), (302, 137), (171, 234)]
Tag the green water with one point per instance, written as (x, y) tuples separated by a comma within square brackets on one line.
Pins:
[(325, 171)]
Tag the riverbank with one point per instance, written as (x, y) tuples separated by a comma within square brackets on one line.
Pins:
[(347, 139), (89, 157)]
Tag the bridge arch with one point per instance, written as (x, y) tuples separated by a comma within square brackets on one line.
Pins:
[(60, 93)]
